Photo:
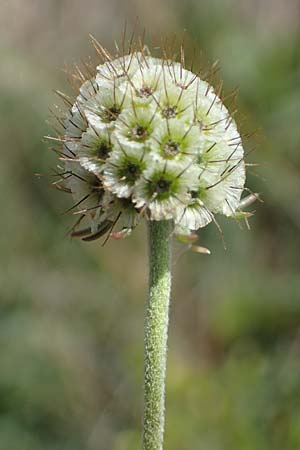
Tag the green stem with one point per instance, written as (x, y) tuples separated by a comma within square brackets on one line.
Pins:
[(156, 333)]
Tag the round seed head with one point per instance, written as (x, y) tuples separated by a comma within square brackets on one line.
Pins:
[(148, 138)]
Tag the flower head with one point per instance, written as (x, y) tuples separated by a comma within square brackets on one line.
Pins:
[(148, 138)]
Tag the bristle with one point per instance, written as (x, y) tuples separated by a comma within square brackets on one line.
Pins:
[(65, 98)]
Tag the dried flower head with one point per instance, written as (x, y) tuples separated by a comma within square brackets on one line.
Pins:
[(148, 138)]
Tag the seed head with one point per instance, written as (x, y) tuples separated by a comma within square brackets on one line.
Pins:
[(148, 138)]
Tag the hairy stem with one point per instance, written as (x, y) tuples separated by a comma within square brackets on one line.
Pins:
[(156, 333)]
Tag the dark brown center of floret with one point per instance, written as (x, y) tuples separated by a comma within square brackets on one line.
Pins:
[(103, 150), (163, 186), (132, 171), (111, 114), (145, 91), (170, 112), (132, 168), (171, 148), (194, 194), (140, 132)]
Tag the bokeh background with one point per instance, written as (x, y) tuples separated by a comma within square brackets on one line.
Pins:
[(71, 322)]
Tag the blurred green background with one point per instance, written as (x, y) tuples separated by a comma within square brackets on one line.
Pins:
[(71, 322)]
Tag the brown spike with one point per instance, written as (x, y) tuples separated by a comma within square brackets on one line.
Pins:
[(65, 98), (106, 56), (101, 231)]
